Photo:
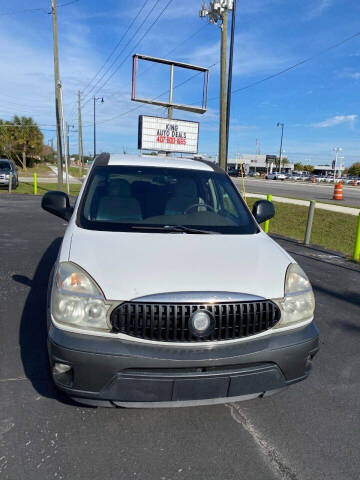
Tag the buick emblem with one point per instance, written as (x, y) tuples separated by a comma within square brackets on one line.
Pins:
[(201, 323)]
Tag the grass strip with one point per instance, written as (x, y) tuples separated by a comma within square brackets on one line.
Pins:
[(77, 172), (332, 230), (28, 188), (41, 169)]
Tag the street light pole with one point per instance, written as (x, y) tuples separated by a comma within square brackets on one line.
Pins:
[(80, 130), (281, 142), (337, 150), (95, 100)]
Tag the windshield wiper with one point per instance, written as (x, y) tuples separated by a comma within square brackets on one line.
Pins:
[(175, 228)]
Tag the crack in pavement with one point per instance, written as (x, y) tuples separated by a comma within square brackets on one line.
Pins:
[(277, 462)]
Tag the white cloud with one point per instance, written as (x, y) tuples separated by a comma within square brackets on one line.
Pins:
[(252, 55), (351, 75), (336, 120), (318, 8)]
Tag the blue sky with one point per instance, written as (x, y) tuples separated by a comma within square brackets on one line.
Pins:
[(318, 101)]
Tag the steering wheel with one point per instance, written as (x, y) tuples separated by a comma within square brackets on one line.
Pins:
[(209, 207)]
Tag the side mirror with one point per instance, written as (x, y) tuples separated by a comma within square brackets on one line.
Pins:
[(58, 204), (263, 210)]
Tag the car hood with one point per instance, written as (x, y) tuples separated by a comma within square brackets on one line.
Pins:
[(130, 265)]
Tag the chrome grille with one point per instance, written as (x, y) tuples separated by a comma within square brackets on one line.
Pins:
[(169, 322)]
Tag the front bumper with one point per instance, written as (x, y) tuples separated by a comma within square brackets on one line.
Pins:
[(108, 371)]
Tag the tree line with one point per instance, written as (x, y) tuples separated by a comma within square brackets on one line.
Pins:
[(22, 141), (352, 171), (299, 167)]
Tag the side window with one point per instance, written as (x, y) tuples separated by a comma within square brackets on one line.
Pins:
[(226, 201)]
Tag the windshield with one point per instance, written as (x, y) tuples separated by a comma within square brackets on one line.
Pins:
[(122, 198), (4, 165)]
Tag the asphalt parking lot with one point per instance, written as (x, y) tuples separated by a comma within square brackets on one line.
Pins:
[(309, 432), (306, 191)]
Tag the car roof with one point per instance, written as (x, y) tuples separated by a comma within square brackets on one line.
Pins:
[(157, 161)]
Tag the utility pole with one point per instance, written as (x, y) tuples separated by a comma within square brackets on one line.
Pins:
[(170, 109), (218, 13), (229, 87), (95, 100), (281, 142), (223, 90), (58, 103), (80, 130)]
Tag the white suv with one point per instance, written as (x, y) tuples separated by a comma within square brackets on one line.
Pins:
[(149, 307)]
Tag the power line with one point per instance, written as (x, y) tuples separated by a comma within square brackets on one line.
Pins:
[(138, 43), (169, 53), (38, 9), (68, 3), (292, 67), (117, 45), (25, 106), (120, 54), (308, 59), (177, 46), (155, 98), (185, 40), (141, 39), (331, 47), (24, 126)]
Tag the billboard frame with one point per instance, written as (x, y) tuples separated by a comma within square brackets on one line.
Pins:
[(170, 104), (140, 129)]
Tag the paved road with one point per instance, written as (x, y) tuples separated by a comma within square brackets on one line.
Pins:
[(309, 432), (306, 191)]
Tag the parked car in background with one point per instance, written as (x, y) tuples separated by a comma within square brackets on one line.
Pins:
[(234, 172), (7, 169), (275, 176), (348, 180), (254, 174)]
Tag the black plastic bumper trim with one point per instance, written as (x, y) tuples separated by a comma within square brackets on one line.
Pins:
[(152, 374)]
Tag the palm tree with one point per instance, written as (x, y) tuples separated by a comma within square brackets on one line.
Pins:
[(27, 139)]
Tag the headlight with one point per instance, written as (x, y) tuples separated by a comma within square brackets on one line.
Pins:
[(298, 305), (7, 176), (76, 299)]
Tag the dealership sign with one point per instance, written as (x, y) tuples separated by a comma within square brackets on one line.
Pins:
[(163, 134)]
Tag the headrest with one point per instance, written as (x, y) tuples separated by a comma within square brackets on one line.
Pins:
[(118, 187), (186, 187)]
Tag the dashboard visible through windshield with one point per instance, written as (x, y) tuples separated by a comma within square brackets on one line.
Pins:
[(134, 198)]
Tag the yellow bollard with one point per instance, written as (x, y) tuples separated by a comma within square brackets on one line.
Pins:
[(356, 255), (35, 184), (267, 223)]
